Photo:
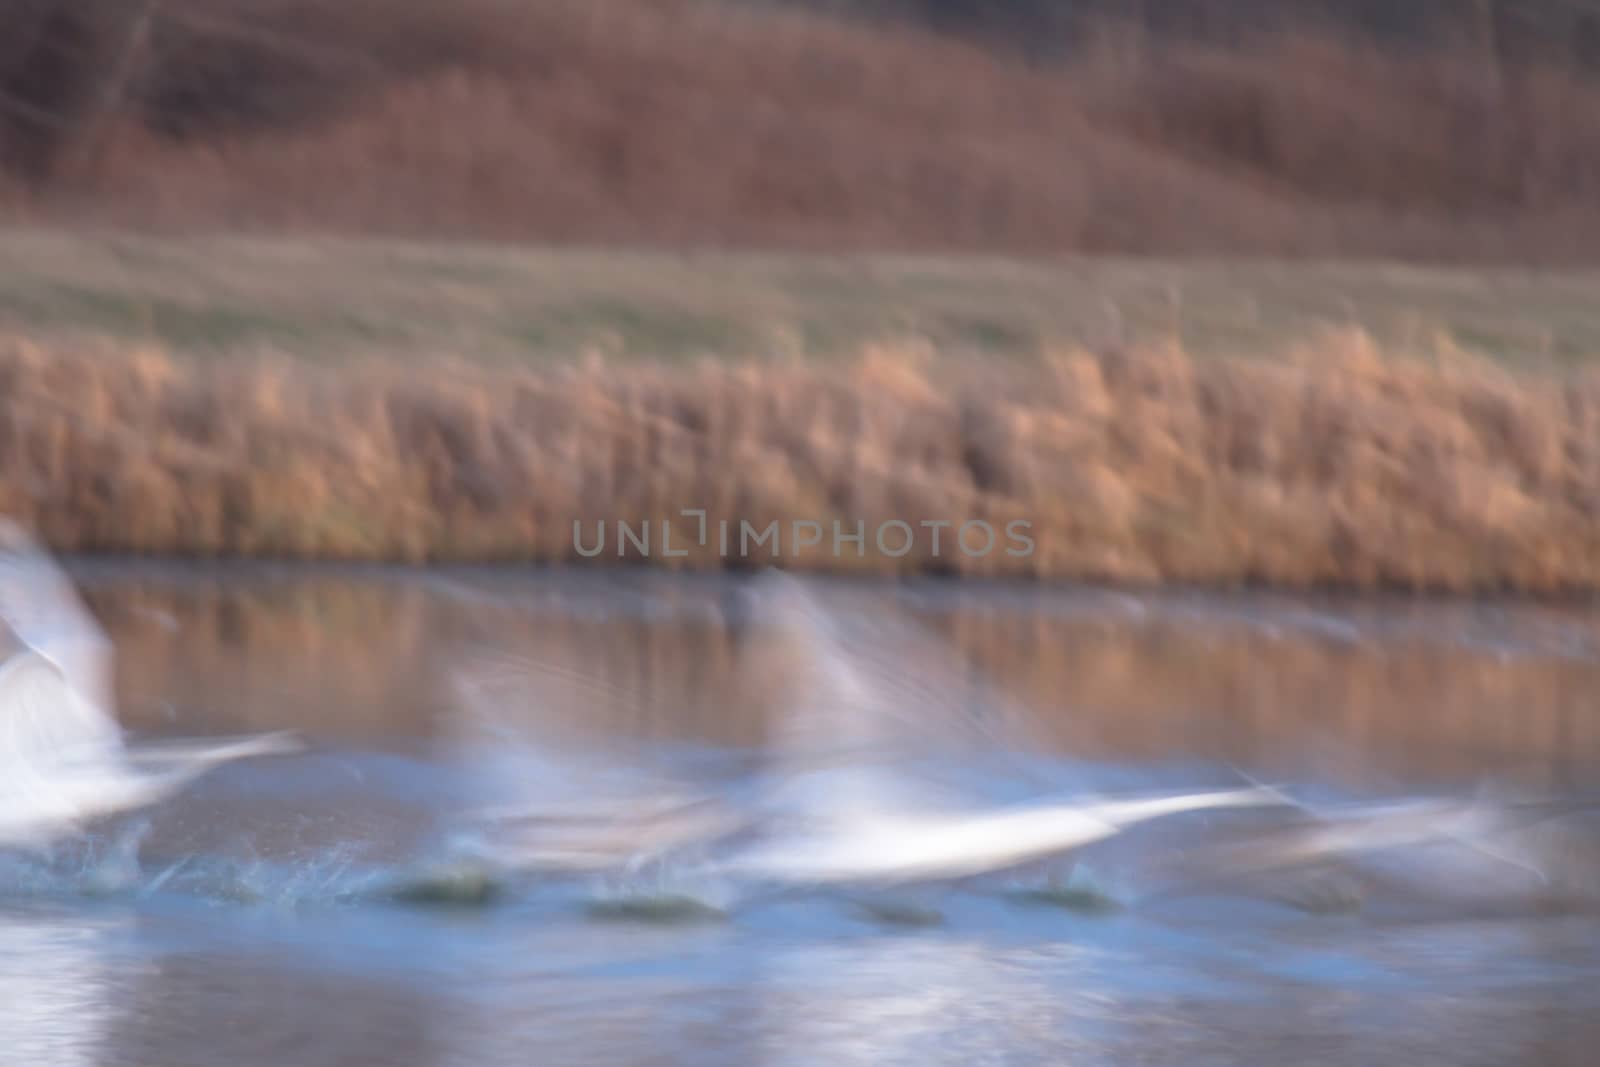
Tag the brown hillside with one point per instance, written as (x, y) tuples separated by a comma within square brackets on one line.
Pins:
[(691, 122)]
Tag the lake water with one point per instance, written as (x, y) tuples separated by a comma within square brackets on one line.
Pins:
[(248, 921)]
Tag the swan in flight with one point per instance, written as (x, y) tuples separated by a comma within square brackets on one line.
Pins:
[(1483, 850), (869, 713), (856, 799), (567, 800), (63, 760)]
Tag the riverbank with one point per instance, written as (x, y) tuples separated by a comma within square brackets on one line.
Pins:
[(1338, 464)]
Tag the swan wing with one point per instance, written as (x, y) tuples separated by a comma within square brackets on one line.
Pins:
[(870, 713), (60, 756), (535, 731), (46, 726), (890, 684), (44, 613)]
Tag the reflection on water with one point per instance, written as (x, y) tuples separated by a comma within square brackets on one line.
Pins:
[(261, 931), (172, 988), (1394, 691), (924, 1000), (200, 1009), (55, 993)]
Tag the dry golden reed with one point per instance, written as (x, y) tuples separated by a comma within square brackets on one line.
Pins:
[(1336, 466)]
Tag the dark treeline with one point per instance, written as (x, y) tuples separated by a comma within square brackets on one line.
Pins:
[(1510, 30), (68, 67), (189, 67), (1438, 128)]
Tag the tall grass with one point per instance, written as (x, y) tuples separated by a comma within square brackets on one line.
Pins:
[(687, 122), (1336, 466)]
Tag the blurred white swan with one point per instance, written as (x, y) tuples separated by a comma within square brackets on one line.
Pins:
[(563, 798), (856, 803), (871, 720), (1473, 851), (63, 762)]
